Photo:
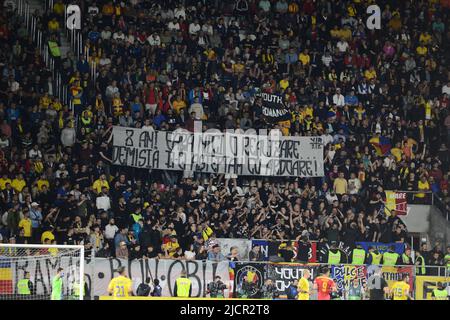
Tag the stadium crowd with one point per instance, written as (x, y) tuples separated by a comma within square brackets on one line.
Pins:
[(163, 65)]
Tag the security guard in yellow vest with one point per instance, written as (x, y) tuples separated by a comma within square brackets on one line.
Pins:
[(136, 216), (447, 259), (406, 257), (334, 254), (25, 286), (374, 256), (440, 293), (420, 264), (54, 49), (183, 286), (358, 255), (76, 290), (390, 258)]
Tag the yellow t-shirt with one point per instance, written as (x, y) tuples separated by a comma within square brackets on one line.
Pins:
[(121, 287), (41, 183), (422, 186), (58, 8), (284, 84), (303, 285), (99, 184), (399, 290), (18, 185), (171, 247), (53, 25), (3, 183), (425, 38), (47, 235), (370, 74), (25, 224), (340, 185), (304, 58), (422, 50), (178, 105)]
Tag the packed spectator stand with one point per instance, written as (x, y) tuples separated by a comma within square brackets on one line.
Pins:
[(163, 65)]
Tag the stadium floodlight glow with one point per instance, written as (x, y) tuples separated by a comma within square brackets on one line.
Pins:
[(16, 260)]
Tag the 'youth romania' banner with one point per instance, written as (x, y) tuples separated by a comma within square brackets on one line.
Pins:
[(426, 284), (396, 201)]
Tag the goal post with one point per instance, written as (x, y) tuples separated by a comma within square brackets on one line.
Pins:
[(27, 272)]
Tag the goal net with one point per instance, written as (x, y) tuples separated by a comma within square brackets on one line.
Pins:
[(41, 272)]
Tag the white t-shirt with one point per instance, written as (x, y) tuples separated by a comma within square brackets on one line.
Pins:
[(342, 46), (103, 202), (110, 231), (173, 26), (446, 90), (194, 28)]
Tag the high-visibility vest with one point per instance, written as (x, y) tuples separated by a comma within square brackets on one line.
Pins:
[(440, 294), (390, 258), (447, 258), (358, 256), (376, 257), (86, 121), (421, 270), (334, 258), (54, 49), (136, 217), (183, 286), (405, 259), (22, 286), (76, 289)]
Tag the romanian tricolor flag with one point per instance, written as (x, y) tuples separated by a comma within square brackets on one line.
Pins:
[(381, 144), (6, 280), (395, 201)]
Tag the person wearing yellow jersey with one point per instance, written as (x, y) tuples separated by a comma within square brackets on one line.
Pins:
[(25, 224), (422, 185), (108, 9), (425, 38), (183, 286), (47, 236), (53, 25), (178, 104), (284, 83), (309, 111), (304, 57), (120, 287), (421, 50), (100, 183), (57, 105), (171, 247), (45, 101), (18, 183), (58, 8), (400, 289), (76, 92), (370, 74), (303, 286), (284, 127), (3, 181)]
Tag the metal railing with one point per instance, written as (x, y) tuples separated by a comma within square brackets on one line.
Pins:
[(39, 37)]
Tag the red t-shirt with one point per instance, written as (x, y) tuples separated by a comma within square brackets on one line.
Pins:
[(324, 286)]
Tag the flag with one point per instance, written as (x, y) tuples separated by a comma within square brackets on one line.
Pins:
[(381, 144), (6, 283), (396, 201)]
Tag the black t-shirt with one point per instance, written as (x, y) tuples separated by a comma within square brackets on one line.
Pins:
[(376, 284)]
